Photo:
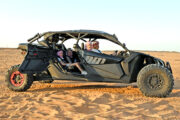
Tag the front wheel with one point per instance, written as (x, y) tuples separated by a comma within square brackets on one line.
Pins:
[(155, 81), (17, 81)]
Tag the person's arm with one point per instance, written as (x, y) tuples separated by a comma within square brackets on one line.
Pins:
[(62, 63)]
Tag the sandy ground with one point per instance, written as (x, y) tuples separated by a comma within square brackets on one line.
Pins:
[(63, 100)]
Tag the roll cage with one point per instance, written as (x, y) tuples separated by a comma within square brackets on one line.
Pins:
[(53, 37)]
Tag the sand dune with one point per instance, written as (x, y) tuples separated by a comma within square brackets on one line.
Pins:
[(80, 100)]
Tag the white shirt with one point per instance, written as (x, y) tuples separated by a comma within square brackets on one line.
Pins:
[(95, 50)]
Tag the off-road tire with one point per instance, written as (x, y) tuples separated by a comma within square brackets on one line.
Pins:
[(46, 81), (27, 80), (146, 81)]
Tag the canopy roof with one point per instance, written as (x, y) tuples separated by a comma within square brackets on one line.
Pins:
[(87, 34), (79, 34)]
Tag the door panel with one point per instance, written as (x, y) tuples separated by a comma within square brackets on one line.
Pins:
[(94, 60), (99, 58), (109, 70), (103, 65)]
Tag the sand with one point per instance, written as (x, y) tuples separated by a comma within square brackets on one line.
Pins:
[(63, 100)]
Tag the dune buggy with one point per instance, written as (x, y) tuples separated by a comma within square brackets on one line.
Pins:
[(153, 76)]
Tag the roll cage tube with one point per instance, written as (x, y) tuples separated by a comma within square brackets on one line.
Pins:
[(36, 37), (79, 36), (94, 39), (112, 38)]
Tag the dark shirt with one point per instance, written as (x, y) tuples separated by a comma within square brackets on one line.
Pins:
[(71, 59)]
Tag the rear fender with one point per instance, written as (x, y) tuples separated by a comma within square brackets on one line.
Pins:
[(36, 59)]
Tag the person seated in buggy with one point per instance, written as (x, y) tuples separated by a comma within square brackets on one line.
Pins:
[(88, 46), (93, 46), (64, 62), (70, 56)]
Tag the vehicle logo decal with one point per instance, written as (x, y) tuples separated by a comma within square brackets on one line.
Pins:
[(94, 60)]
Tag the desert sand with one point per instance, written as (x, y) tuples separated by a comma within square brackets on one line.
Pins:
[(63, 100)]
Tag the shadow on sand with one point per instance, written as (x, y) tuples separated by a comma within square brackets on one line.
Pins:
[(111, 88), (81, 86)]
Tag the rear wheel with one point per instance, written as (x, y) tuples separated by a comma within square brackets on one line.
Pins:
[(18, 81), (155, 81)]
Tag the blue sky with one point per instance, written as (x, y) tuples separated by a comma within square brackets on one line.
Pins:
[(141, 24)]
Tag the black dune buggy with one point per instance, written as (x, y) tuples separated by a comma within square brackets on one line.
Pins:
[(153, 76)]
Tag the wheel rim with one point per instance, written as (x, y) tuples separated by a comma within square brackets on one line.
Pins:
[(17, 78), (155, 81)]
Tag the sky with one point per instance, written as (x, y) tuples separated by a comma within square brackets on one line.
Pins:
[(141, 24)]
